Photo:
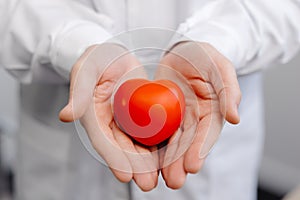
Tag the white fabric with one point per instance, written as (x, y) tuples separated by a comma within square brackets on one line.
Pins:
[(40, 40), (250, 33)]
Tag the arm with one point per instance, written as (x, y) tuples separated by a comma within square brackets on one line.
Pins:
[(41, 39), (250, 33)]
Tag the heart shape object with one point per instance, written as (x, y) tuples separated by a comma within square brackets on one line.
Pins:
[(149, 111)]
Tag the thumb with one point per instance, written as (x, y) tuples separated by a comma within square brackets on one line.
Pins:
[(66, 114), (226, 85), (83, 79), (80, 97)]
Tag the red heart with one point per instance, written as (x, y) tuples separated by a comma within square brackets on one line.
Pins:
[(149, 111)]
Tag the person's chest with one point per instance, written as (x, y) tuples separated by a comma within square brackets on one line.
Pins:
[(132, 14)]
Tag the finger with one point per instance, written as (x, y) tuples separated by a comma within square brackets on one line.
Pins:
[(187, 140), (225, 83), (141, 158), (151, 158), (142, 162), (208, 131), (84, 77), (174, 174), (147, 181), (169, 152), (103, 142), (192, 161), (182, 139), (173, 170)]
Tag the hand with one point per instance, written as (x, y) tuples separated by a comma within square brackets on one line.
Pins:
[(92, 81), (214, 83)]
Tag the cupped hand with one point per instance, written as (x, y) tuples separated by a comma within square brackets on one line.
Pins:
[(92, 81), (214, 85)]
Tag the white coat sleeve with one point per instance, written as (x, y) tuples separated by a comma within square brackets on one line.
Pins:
[(41, 39), (251, 33)]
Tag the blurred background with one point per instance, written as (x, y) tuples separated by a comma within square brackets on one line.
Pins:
[(280, 168), (8, 129)]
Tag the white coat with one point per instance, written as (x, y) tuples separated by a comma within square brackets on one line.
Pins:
[(40, 40)]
